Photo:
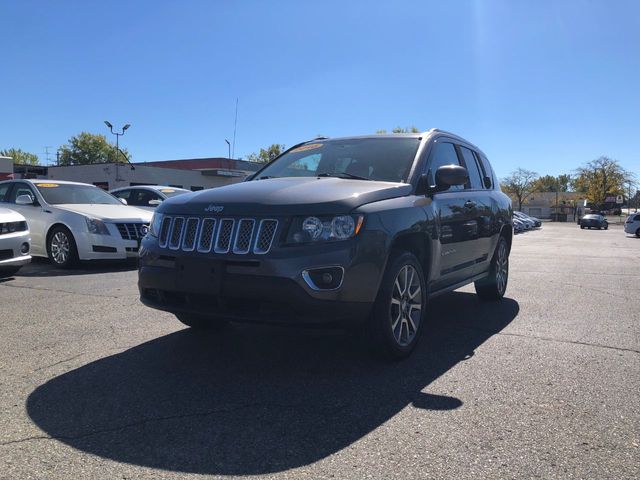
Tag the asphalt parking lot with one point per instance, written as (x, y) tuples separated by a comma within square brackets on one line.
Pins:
[(541, 385)]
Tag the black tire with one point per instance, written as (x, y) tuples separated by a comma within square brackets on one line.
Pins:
[(59, 255), (606, 227), (198, 322), (399, 305), (494, 285), (638, 233), (9, 271), (582, 227)]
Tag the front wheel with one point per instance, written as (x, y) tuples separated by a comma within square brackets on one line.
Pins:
[(638, 233), (61, 248), (399, 310), (493, 286)]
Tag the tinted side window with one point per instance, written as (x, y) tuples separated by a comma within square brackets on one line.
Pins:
[(475, 176), (136, 198), (486, 171), (443, 153), (4, 192), (123, 194), (146, 196)]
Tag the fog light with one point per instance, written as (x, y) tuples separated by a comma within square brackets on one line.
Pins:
[(324, 278), (24, 248)]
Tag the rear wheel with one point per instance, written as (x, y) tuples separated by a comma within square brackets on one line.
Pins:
[(582, 227), (638, 233), (8, 271), (198, 322), (398, 313), (493, 286), (61, 248)]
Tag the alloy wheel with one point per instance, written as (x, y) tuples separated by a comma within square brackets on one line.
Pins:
[(60, 248), (405, 311), (502, 268)]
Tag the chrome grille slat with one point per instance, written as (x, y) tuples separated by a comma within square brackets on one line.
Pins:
[(244, 234), (239, 236), (164, 232), (176, 233), (225, 232), (207, 230), (265, 236), (190, 234)]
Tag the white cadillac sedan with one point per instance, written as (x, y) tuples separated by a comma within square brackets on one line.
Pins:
[(14, 242), (72, 221)]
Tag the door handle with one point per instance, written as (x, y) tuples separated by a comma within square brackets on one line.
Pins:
[(469, 204)]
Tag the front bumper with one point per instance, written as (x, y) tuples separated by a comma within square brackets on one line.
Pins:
[(266, 289), (105, 247), (10, 253)]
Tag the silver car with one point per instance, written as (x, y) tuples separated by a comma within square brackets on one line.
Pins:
[(15, 242), (147, 197), (72, 221)]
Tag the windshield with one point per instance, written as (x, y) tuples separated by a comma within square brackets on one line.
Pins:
[(384, 159), (61, 193)]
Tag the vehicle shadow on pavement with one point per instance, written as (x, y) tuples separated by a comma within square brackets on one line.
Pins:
[(253, 399), (41, 267)]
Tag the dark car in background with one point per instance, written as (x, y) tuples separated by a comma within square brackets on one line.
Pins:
[(358, 230), (594, 221)]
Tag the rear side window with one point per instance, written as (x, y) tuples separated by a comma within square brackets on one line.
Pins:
[(475, 176), (485, 171), (4, 192), (443, 153), (123, 194)]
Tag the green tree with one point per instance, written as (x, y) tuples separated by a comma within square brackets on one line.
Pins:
[(266, 155), (600, 178), (549, 183), (20, 156), (86, 148), (411, 129), (520, 184)]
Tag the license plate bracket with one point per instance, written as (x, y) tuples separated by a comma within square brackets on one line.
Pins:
[(198, 276)]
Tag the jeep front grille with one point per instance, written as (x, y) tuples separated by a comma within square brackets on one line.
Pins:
[(225, 235)]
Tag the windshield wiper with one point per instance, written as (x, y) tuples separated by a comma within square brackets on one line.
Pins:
[(264, 177), (343, 175)]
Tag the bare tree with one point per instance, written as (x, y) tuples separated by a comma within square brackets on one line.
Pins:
[(520, 183)]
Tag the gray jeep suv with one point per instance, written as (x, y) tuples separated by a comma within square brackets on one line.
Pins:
[(336, 231)]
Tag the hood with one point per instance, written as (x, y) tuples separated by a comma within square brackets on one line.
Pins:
[(110, 213), (7, 215), (285, 196)]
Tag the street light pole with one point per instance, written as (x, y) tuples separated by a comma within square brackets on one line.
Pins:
[(229, 145), (118, 135)]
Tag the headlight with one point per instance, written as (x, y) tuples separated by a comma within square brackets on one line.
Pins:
[(324, 229), (96, 226), (154, 226)]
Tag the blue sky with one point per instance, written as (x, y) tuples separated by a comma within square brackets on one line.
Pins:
[(544, 85)]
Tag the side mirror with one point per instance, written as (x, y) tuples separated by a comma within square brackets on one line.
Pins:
[(123, 201), (25, 200), (450, 175), (154, 202)]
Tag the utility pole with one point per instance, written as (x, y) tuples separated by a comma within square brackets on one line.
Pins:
[(46, 153), (235, 124)]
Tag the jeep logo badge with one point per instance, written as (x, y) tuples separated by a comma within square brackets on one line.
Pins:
[(214, 208)]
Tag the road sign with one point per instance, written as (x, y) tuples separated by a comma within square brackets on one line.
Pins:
[(619, 199)]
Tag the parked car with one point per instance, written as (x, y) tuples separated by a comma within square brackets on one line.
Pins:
[(632, 224), (518, 225), (336, 231), (147, 197), (594, 221), (72, 221), (533, 221), (15, 242)]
